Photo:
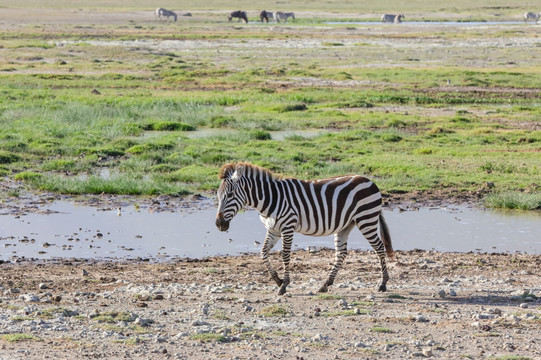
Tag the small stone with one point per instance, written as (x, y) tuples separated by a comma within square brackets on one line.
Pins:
[(43, 286), (442, 293), (427, 352), (452, 292), (524, 305)]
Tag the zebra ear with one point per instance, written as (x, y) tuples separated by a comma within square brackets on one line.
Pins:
[(239, 171), (227, 171)]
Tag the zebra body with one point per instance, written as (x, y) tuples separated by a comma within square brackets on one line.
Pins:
[(283, 16), (266, 15), (239, 14), (165, 13), (392, 18), (531, 16), (322, 207)]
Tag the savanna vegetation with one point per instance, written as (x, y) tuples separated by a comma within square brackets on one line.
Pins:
[(125, 104)]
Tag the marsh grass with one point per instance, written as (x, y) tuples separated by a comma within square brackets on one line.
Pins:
[(514, 200), (434, 125)]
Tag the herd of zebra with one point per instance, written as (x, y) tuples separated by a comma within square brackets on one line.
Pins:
[(279, 16), (320, 207), (264, 15)]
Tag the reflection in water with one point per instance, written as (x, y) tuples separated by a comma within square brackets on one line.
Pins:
[(86, 232)]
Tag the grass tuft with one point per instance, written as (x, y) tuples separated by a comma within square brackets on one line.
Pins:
[(514, 200)]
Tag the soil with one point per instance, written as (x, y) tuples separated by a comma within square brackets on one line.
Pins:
[(438, 305)]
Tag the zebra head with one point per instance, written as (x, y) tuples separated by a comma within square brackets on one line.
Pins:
[(231, 195)]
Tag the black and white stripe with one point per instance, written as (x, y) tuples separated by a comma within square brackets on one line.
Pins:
[(165, 13), (321, 207)]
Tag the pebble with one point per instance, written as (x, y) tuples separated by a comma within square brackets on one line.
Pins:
[(43, 286)]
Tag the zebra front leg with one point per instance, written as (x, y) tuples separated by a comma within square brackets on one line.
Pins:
[(287, 239), (340, 245), (270, 241)]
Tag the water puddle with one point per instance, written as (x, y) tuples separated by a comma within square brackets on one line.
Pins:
[(87, 232), (428, 23)]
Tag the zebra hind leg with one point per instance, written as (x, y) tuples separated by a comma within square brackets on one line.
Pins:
[(287, 239), (340, 245), (370, 232)]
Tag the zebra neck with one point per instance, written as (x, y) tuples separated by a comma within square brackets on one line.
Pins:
[(263, 194)]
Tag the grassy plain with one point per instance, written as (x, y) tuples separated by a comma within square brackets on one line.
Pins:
[(103, 98)]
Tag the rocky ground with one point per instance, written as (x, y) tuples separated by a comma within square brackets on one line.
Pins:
[(438, 305)]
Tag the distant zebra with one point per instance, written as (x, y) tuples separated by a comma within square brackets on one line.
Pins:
[(283, 16), (315, 207), (164, 12), (266, 15), (531, 16), (239, 14), (392, 18)]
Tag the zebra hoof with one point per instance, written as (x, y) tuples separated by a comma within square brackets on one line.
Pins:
[(323, 289), (382, 288), (282, 290)]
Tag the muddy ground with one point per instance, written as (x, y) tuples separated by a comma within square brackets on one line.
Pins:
[(439, 305)]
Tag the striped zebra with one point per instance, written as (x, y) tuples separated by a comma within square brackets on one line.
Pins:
[(279, 15), (266, 15), (239, 14), (165, 13), (392, 18), (531, 16), (315, 207)]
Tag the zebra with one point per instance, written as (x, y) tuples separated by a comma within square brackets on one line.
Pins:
[(316, 207), (283, 16), (266, 15), (239, 14), (531, 16), (164, 12), (392, 18)]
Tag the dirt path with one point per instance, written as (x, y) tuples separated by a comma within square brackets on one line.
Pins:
[(439, 305)]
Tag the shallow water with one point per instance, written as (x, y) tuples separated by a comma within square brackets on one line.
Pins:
[(88, 232), (429, 23)]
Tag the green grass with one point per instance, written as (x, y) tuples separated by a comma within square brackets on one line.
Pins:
[(273, 310), (329, 297), (208, 337), (380, 329), (20, 338), (113, 317), (385, 112), (514, 200)]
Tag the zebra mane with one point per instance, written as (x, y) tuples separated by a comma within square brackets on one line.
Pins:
[(229, 169)]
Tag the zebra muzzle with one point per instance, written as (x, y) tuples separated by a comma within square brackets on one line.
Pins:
[(221, 223)]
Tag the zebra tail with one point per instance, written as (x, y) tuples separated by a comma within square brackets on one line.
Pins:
[(386, 236)]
